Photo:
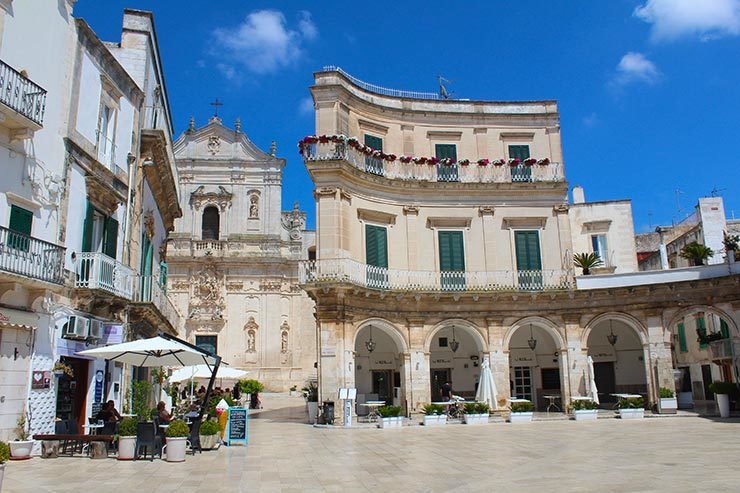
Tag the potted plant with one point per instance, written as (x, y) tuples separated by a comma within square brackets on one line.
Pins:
[(521, 412), (209, 431), (585, 410), (390, 417), (667, 404), (4, 456), (127, 439), (293, 390), (730, 243), (632, 408), (20, 448), (696, 253), (475, 413), (177, 441), (587, 261), (60, 369), (434, 415), (723, 391), (311, 393), (253, 388)]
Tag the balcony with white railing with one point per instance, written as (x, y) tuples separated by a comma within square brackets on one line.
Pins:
[(26, 256), (148, 294), (337, 271), (429, 170), (97, 271), (23, 101)]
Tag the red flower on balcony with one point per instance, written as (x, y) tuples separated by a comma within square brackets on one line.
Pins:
[(530, 161), (390, 157), (420, 160), (447, 161), (544, 162), (483, 162), (464, 162), (432, 161), (324, 139), (499, 162), (406, 159), (515, 162)]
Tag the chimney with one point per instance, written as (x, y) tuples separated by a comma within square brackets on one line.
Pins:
[(578, 196)]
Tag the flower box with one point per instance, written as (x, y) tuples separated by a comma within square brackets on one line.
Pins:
[(521, 417), (475, 419), (586, 414), (667, 405), (391, 422), (631, 413), (435, 419)]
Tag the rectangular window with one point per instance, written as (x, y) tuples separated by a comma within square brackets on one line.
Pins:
[(724, 329), (106, 137), (442, 342), (528, 259), (20, 226), (446, 173), (374, 165), (99, 233), (452, 260), (701, 327), (207, 343), (682, 346), (376, 256), (520, 173), (598, 246)]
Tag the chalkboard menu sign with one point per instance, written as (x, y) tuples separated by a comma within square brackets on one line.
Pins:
[(236, 431)]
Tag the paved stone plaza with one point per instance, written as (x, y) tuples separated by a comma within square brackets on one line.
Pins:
[(285, 455)]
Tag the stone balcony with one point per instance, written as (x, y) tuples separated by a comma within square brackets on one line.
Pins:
[(348, 271), (98, 272), (27, 257), (23, 103), (151, 304), (255, 247), (720, 350)]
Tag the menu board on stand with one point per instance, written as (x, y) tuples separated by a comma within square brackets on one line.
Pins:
[(236, 428)]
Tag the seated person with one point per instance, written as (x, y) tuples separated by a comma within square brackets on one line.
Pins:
[(115, 415), (164, 416), (105, 414)]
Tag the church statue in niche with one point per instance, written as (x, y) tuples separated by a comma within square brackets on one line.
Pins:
[(251, 328), (284, 342), (254, 210)]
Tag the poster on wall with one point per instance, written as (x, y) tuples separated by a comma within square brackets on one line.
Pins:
[(522, 357), (41, 380)]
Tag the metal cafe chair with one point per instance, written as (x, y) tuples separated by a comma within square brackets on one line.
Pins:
[(147, 439), (194, 438)]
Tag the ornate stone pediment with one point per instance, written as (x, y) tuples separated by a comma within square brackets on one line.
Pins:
[(294, 222), (222, 198), (207, 294)]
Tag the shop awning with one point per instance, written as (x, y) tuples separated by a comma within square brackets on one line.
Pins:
[(18, 319)]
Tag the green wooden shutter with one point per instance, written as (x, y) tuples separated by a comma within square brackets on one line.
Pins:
[(724, 329), (443, 151), (701, 327), (376, 246), (110, 241), (451, 251), (21, 220), (146, 256), (374, 142), (87, 229), (527, 245), (519, 151), (682, 338)]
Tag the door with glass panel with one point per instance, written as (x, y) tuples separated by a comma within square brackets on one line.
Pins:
[(376, 256), (446, 172), (521, 172), (528, 259), (522, 385), (451, 260), (372, 164)]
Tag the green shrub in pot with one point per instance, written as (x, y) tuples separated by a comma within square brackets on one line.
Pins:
[(522, 407), (178, 429), (583, 405), (127, 427), (209, 427), (4, 452), (666, 393), (389, 411)]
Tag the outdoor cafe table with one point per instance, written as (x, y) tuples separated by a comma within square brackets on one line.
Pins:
[(373, 407), (93, 428), (552, 398)]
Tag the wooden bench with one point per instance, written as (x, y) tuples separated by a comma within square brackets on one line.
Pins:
[(98, 444)]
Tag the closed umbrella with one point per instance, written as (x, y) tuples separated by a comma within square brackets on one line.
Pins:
[(486, 386), (592, 380)]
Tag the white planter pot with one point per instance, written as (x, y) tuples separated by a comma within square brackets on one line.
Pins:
[(126, 448), (586, 414), (685, 400), (667, 405), (2, 473), (392, 422), (174, 450), (313, 409), (521, 417), (435, 420), (208, 442), (631, 413), (731, 256), (475, 419), (21, 449), (723, 402)]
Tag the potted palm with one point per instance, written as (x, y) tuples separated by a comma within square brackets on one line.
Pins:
[(632, 408), (20, 448), (311, 392), (587, 261), (667, 404), (585, 410), (127, 439), (730, 243), (521, 412), (434, 415), (696, 253), (722, 392), (209, 431), (4, 456), (390, 417), (475, 413), (177, 441)]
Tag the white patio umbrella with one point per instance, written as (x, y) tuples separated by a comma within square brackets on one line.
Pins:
[(592, 381), (203, 371), (157, 351), (486, 386)]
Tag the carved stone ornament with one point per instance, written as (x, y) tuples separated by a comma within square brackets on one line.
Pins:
[(214, 144), (207, 300), (294, 222), (284, 341), (200, 198)]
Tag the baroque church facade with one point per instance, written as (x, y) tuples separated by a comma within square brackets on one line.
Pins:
[(233, 257)]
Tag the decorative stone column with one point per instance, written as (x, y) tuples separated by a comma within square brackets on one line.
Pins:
[(499, 359), (418, 390), (659, 362), (576, 361)]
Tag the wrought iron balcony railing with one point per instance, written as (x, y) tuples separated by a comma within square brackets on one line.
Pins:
[(721, 349), (21, 94), (94, 270), (30, 257), (148, 290), (368, 276)]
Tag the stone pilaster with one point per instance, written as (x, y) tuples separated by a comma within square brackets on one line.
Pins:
[(576, 361), (499, 358), (659, 366), (419, 390)]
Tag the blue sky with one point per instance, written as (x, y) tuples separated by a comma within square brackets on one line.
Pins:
[(648, 90)]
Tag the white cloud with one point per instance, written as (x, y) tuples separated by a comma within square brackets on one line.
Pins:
[(305, 107), (263, 42), (673, 19), (591, 120), (635, 67)]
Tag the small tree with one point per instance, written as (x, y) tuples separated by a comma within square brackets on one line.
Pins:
[(696, 253), (587, 261), (730, 241)]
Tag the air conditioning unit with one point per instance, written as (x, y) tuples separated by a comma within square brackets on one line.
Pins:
[(96, 329), (76, 328)]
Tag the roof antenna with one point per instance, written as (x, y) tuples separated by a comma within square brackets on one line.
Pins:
[(715, 191), (443, 93)]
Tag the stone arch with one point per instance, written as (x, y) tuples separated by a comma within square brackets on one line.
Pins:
[(472, 329), (210, 222), (625, 318), (547, 325), (387, 327), (683, 313)]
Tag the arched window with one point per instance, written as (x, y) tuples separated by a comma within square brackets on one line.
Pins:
[(210, 223)]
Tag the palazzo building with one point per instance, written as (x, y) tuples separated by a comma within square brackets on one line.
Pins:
[(233, 257), (445, 236)]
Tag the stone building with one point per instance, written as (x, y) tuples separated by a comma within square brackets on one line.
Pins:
[(233, 257), (445, 237)]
